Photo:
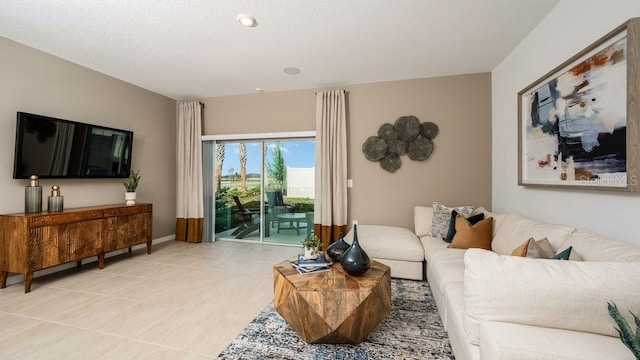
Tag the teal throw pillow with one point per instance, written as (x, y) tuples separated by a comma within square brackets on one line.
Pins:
[(564, 255)]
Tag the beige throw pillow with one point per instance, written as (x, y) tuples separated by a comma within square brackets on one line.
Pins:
[(537, 249), (472, 236)]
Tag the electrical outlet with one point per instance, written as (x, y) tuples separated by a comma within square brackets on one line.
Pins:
[(349, 183), (355, 222)]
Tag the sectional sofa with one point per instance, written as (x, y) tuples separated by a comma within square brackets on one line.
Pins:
[(496, 306)]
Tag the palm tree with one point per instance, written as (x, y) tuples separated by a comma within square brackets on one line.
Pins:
[(243, 167), (219, 161)]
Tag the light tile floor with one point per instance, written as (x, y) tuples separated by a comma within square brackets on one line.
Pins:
[(184, 301)]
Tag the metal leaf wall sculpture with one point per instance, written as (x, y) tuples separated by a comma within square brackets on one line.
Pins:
[(407, 136)]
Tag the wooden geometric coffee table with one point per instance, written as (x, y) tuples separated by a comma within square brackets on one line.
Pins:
[(332, 307)]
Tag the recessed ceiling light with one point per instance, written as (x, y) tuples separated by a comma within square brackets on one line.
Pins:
[(260, 90), (292, 70), (247, 20)]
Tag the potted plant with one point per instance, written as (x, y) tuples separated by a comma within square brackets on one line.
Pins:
[(130, 187), (311, 246), (630, 339)]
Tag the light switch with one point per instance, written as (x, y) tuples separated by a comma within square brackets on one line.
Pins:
[(349, 183)]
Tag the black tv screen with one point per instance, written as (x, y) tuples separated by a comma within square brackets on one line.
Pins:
[(56, 148)]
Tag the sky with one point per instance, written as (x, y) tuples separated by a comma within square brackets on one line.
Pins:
[(297, 154)]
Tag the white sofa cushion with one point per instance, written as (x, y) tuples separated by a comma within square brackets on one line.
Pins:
[(504, 341), (593, 247), (422, 216), (431, 244), (412, 270), (388, 242), (570, 295), (454, 302), (447, 266), (511, 230)]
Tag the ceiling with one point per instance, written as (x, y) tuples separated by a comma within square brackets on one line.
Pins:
[(189, 49)]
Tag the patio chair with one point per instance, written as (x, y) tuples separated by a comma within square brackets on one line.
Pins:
[(276, 206), (249, 225)]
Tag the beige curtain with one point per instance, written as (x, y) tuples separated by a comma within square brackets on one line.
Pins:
[(189, 199), (331, 166)]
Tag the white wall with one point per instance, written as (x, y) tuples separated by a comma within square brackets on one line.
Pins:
[(570, 27)]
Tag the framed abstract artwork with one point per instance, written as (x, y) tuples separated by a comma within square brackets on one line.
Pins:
[(579, 125)]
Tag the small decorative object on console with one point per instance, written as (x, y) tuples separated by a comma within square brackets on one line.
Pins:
[(33, 196), (355, 261), (130, 186), (56, 201), (337, 249)]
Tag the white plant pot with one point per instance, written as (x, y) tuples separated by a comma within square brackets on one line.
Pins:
[(307, 253), (130, 198)]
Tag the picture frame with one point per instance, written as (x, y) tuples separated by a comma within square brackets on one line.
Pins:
[(579, 124)]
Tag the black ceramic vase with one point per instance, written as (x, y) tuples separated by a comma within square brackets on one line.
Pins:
[(338, 248), (355, 261)]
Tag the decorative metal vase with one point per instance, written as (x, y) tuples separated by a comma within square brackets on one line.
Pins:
[(338, 248), (33, 196), (355, 261), (56, 201)]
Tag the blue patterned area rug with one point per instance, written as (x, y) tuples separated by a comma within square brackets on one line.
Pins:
[(412, 330)]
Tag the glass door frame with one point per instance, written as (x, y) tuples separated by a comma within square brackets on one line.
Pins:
[(210, 141)]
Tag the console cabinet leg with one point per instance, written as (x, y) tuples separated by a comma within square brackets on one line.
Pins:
[(28, 277), (129, 249), (149, 247), (3, 279), (78, 264), (101, 261)]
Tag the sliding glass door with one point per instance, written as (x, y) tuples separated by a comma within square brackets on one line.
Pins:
[(238, 183), (259, 190)]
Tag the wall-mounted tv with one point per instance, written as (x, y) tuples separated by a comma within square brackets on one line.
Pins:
[(56, 148)]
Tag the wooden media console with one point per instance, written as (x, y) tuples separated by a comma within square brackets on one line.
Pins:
[(32, 242)]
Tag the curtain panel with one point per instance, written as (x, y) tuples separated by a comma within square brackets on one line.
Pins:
[(189, 199), (331, 166)]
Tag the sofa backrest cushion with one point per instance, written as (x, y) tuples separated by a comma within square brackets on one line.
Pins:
[(511, 230), (594, 247), (422, 216), (569, 295)]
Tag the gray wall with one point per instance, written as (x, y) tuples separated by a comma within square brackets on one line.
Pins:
[(458, 171), (36, 82)]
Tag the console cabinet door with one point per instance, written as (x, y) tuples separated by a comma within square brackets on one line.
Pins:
[(58, 244), (133, 229)]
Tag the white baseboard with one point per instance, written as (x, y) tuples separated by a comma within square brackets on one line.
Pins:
[(18, 278)]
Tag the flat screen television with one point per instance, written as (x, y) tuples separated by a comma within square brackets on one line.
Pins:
[(56, 148)]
